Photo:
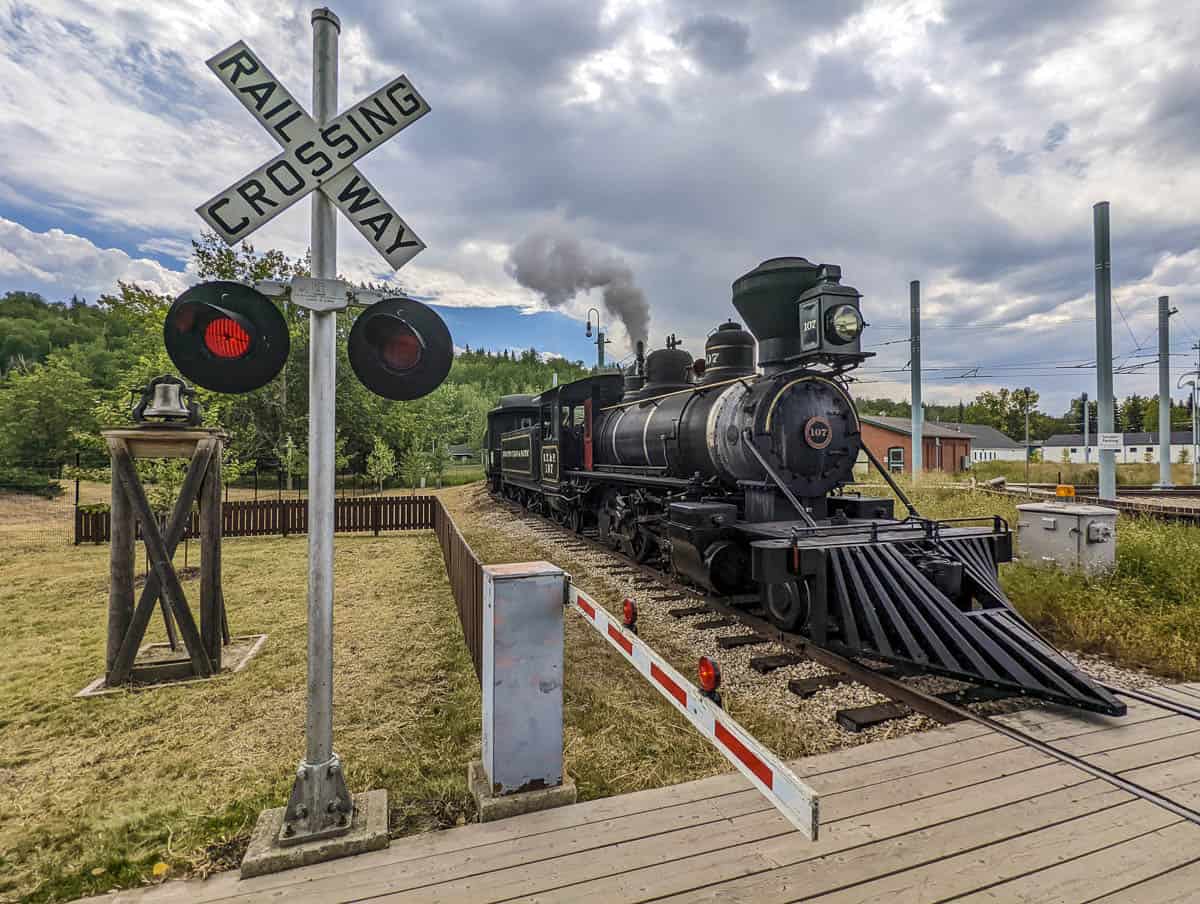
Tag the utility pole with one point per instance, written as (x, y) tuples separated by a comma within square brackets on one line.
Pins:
[(600, 340), (1104, 354), (1087, 418), (1164, 392), (918, 413), (1028, 490)]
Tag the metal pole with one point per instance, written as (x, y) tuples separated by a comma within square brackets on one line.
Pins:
[(918, 414), (1164, 392), (1087, 420), (1028, 490), (1104, 354), (320, 804), (599, 346)]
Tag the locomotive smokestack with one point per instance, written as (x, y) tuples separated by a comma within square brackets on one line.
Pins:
[(640, 359)]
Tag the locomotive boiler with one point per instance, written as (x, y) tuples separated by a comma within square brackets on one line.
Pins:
[(730, 472)]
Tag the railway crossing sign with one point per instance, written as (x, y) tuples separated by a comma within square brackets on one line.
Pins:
[(314, 158)]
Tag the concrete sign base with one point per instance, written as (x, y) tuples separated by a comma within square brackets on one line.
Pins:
[(501, 806), (368, 832)]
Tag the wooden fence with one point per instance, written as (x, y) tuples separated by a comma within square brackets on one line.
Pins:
[(465, 572), (269, 517)]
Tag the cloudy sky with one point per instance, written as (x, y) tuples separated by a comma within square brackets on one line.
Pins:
[(962, 143)]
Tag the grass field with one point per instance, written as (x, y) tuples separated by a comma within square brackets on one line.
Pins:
[(95, 793), (1131, 474)]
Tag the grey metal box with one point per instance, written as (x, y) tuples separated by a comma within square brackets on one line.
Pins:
[(1069, 536)]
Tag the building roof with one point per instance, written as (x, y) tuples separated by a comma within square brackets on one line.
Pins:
[(985, 437), (1178, 438), (460, 449), (904, 425)]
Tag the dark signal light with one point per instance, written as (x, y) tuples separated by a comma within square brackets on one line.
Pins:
[(226, 336), (400, 349)]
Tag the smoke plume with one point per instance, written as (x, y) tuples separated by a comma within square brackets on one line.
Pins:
[(558, 267)]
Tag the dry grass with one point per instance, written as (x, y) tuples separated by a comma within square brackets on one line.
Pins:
[(94, 792)]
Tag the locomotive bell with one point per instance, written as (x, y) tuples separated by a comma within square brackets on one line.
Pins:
[(167, 403), (167, 398)]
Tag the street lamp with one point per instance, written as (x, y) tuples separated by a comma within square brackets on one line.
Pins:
[(600, 340), (1184, 381)]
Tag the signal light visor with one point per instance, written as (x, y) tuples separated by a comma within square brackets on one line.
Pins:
[(710, 675)]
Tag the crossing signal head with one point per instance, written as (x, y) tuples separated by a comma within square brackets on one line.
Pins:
[(226, 337), (400, 349)]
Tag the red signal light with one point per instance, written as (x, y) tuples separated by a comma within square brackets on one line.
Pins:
[(710, 675), (226, 338), (629, 613), (398, 346)]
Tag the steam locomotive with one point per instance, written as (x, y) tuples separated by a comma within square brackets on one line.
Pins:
[(733, 476)]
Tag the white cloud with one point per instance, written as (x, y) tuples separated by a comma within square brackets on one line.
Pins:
[(59, 265)]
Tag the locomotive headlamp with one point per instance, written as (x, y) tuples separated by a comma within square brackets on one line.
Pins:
[(843, 324)]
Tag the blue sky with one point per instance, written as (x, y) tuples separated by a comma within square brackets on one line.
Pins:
[(959, 142)]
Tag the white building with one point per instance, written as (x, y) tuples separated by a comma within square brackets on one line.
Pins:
[(988, 443), (1137, 448)]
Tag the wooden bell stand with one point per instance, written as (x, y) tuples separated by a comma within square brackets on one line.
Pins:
[(127, 623)]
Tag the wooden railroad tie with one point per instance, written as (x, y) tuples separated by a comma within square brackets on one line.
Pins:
[(715, 623), (767, 664), (806, 687), (864, 717), (688, 610), (739, 640)]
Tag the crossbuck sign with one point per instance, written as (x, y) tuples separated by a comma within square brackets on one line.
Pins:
[(313, 158)]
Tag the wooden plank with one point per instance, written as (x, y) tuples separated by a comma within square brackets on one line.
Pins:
[(120, 587), (1176, 886), (158, 672), (1104, 871), (993, 872), (210, 559), (893, 840)]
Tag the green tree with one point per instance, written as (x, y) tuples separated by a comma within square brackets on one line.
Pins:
[(413, 467), (42, 409), (381, 463), (439, 460)]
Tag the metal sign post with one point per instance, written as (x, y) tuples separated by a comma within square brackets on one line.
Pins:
[(317, 158)]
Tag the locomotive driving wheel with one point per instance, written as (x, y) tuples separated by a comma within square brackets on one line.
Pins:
[(788, 604)]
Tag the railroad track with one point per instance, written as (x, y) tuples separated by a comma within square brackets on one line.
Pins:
[(905, 697)]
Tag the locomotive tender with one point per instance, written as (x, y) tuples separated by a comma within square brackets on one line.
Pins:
[(731, 475)]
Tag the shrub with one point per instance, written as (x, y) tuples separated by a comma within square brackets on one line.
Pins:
[(23, 480)]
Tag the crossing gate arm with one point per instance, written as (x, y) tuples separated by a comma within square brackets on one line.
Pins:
[(778, 784)]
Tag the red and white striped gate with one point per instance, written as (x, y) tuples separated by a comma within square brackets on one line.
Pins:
[(778, 784)]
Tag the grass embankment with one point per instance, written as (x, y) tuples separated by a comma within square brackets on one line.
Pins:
[(1132, 474), (1145, 613)]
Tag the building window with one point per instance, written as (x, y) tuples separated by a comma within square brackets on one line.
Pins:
[(1073, 451), (1133, 448), (895, 458)]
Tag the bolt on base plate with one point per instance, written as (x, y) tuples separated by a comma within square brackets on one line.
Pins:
[(320, 805)]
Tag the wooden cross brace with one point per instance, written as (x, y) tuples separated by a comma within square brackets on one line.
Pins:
[(203, 644)]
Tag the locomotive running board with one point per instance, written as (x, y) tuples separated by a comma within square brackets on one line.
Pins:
[(889, 610)]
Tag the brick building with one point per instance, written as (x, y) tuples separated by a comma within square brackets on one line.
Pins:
[(890, 439)]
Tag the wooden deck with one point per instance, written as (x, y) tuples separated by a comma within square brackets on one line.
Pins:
[(958, 813)]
